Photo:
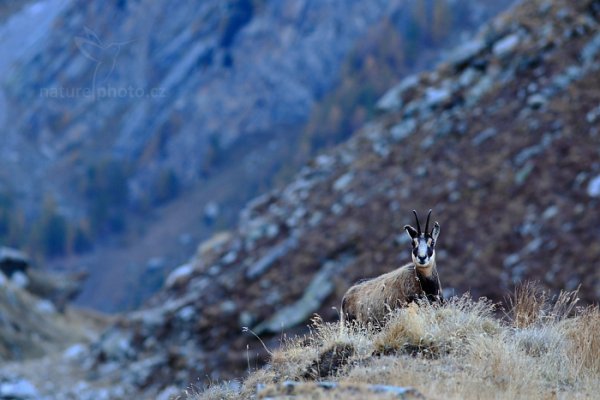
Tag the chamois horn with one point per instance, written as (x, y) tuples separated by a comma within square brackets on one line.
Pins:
[(427, 223), (417, 219)]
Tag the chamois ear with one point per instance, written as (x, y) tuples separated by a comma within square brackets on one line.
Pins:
[(435, 232), (412, 232)]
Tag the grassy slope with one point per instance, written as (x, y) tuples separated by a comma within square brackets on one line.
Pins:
[(30, 327), (462, 350)]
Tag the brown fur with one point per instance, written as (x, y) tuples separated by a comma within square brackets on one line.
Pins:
[(371, 300)]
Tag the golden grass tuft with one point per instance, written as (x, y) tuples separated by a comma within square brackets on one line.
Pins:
[(432, 330), (530, 304), (460, 350), (583, 335)]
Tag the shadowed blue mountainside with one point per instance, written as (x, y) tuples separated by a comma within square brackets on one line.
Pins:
[(133, 129)]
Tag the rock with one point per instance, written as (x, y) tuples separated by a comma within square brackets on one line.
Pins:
[(527, 153), (273, 255), (403, 130), (20, 389), (483, 86), (484, 136), (325, 161), (522, 174), (272, 231), (75, 352), (228, 307), (593, 115), (186, 313), (114, 345), (534, 245), (247, 319), (178, 275), (381, 148), (315, 219), (12, 260), (392, 99), (317, 291), (59, 288), (337, 209), (536, 101), (213, 244), (343, 181), (511, 260), (142, 371), (435, 97), (593, 188), (45, 307), (591, 50), (545, 7), (468, 76), (550, 212), (230, 257), (464, 54), (506, 45), (19, 279), (294, 220), (256, 228)]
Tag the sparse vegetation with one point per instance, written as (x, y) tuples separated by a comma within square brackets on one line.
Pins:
[(465, 349)]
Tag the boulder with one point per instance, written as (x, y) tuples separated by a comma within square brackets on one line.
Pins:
[(593, 188), (464, 54), (19, 389), (315, 294), (12, 260), (59, 288), (392, 99), (506, 46)]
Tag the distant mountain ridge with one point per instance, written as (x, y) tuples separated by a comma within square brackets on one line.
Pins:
[(111, 110)]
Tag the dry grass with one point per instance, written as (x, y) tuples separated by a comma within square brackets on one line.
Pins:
[(544, 348)]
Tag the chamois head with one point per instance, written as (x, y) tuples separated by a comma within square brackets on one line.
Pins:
[(423, 243)]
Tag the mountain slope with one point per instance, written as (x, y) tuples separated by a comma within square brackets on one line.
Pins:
[(500, 142)]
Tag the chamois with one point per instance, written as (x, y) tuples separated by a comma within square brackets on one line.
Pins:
[(371, 300)]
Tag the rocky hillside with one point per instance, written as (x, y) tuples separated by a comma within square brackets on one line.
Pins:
[(35, 318), (501, 141), (36, 322)]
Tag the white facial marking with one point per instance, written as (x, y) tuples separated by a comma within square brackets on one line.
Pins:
[(422, 251)]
